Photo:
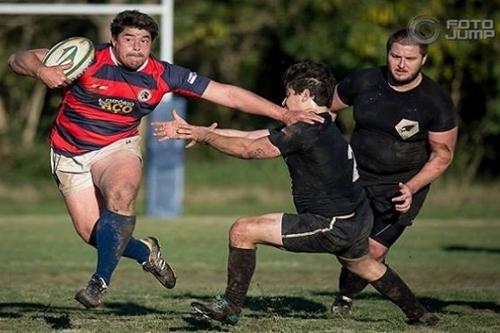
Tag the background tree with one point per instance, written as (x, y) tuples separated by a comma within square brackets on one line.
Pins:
[(251, 42)]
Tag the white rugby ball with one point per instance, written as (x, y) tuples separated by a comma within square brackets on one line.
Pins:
[(79, 50)]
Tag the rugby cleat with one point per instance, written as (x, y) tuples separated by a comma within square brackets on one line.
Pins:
[(427, 319), (157, 265), (92, 295), (219, 310), (342, 305)]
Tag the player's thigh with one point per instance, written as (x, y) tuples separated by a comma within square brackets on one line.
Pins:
[(262, 229), (84, 209), (118, 175)]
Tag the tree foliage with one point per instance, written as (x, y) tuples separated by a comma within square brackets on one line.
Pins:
[(251, 42)]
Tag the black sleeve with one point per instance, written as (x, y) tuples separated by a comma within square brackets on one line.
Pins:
[(346, 91), (444, 115), (293, 138), (184, 81)]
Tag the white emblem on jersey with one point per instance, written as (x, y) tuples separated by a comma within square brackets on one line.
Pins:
[(144, 95), (192, 77), (407, 128), (99, 86)]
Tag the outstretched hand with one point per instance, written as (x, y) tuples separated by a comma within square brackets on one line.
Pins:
[(178, 128), (195, 133), (403, 202), (166, 130)]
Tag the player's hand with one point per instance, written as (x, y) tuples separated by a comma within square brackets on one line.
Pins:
[(195, 133), (306, 116), (53, 76), (166, 130), (403, 202)]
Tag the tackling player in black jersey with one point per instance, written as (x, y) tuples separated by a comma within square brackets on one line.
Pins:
[(404, 137), (333, 215)]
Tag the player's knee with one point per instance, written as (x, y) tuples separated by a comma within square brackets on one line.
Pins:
[(121, 198), (240, 231), (378, 251)]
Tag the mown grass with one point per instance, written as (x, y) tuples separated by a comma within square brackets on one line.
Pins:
[(452, 265)]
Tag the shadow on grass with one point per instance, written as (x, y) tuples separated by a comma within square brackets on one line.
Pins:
[(463, 248), (433, 304), (257, 307), (58, 317)]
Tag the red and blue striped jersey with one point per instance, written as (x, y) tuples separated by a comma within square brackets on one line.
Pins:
[(107, 102)]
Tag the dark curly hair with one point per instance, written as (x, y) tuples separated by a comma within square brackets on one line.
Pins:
[(133, 19), (316, 77)]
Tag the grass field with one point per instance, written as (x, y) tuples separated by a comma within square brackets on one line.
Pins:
[(453, 265)]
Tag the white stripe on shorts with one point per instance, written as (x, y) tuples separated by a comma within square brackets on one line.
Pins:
[(330, 227)]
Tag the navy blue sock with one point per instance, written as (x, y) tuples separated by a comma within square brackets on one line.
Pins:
[(113, 232), (135, 249)]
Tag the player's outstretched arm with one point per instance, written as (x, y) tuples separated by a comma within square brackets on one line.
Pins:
[(165, 130), (29, 63), (241, 144), (244, 100)]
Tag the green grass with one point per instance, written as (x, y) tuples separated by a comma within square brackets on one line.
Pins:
[(452, 265)]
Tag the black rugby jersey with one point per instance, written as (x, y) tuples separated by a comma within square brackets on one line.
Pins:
[(322, 168), (391, 127)]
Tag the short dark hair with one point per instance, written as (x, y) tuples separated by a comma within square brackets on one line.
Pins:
[(405, 37), (316, 77), (134, 19)]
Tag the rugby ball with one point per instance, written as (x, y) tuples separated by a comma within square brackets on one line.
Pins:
[(78, 50)]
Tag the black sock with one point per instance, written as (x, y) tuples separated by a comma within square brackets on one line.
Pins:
[(350, 284), (393, 287), (240, 268)]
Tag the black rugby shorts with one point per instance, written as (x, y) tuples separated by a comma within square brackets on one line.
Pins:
[(389, 224), (347, 238)]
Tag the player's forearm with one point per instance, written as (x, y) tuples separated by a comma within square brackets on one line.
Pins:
[(242, 134), (232, 146), (432, 170), (25, 63)]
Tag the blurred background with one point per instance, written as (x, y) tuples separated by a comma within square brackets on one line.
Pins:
[(249, 43)]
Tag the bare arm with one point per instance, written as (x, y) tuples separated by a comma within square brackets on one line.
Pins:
[(241, 147), (246, 101), (29, 63), (242, 134), (242, 144), (337, 103), (442, 146)]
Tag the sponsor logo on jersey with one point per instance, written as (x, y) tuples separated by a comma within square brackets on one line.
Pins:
[(192, 77), (407, 128), (144, 95), (116, 105)]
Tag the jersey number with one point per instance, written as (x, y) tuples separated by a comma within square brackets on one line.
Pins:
[(350, 156)]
